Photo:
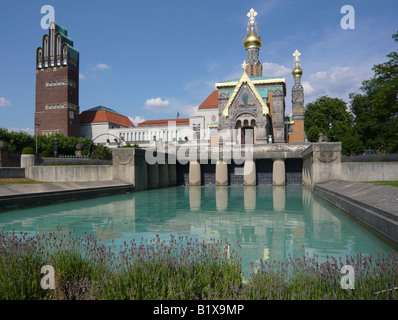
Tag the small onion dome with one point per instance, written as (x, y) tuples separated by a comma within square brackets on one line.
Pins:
[(252, 40), (297, 71)]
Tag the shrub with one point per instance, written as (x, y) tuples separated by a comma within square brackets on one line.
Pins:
[(28, 150), (45, 153), (102, 153)]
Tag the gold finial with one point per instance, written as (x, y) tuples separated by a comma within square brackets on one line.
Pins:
[(297, 70), (252, 39), (296, 55), (251, 14), (244, 65)]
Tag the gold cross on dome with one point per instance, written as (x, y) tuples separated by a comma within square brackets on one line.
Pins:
[(296, 54), (251, 14)]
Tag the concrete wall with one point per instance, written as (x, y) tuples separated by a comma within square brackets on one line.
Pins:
[(70, 173), (375, 206), (321, 163), (12, 172), (129, 166), (369, 171)]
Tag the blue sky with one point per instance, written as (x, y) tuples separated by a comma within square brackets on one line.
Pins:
[(150, 59)]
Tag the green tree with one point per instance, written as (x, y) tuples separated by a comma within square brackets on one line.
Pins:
[(16, 141), (375, 110), (101, 152), (330, 116)]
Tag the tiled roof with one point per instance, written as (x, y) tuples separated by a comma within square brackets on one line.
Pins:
[(164, 123), (103, 114), (211, 101)]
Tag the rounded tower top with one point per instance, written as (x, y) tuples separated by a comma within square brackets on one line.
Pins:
[(297, 71), (252, 40)]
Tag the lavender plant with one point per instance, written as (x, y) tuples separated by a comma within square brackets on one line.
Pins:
[(181, 268)]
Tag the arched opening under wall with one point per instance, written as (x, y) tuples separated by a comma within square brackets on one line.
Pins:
[(182, 174), (264, 171), (208, 174), (235, 173), (293, 169)]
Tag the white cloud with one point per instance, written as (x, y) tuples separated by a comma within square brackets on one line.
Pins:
[(27, 130), (4, 102), (102, 66), (308, 89), (82, 76), (275, 70), (190, 111), (136, 120), (336, 82), (156, 104)]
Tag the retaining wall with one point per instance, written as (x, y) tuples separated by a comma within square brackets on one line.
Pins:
[(70, 173), (375, 206), (369, 171)]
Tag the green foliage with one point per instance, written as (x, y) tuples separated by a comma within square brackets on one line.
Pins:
[(28, 150), (128, 145), (371, 124), (330, 116), (376, 109), (178, 269), (45, 153), (16, 141), (101, 152)]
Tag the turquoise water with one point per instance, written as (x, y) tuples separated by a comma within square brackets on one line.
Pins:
[(269, 222)]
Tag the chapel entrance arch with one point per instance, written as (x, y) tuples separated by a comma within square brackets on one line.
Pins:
[(246, 126)]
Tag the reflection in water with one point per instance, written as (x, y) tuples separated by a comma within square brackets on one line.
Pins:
[(278, 197), (222, 198), (269, 222), (249, 193), (194, 197)]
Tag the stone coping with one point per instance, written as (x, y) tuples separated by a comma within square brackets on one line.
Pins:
[(28, 195), (374, 205)]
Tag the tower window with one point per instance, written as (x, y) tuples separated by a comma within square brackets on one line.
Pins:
[(251, 70)]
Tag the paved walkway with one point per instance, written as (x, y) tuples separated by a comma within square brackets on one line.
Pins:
[(374, 205), (23, 195)]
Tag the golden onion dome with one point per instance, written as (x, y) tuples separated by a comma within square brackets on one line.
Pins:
[(297, 71), (252, 40)]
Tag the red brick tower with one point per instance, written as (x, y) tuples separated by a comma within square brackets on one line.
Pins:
[(57, 84)]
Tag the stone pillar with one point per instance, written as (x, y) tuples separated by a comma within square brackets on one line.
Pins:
[(249, 170), (194, 173), (221, 173), (172, 174), (153, 176), (163, 175), (28, 160), (278, 172)]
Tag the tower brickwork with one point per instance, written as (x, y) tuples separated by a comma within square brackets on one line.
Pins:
[(297, 102), (57, 84)]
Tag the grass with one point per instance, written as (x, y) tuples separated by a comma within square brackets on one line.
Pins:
[(181, 268), (7, 181), (384, 183)]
